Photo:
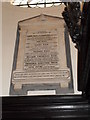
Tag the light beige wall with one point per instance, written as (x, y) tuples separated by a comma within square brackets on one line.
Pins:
[(0, 48), (10, 17)]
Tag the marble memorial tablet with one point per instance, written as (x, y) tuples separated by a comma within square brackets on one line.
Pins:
[(41, 55)]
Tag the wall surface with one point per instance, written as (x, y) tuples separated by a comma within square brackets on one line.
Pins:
[(0, 48), (10, 17)]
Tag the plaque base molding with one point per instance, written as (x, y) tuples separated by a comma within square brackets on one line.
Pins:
[(61, 77)]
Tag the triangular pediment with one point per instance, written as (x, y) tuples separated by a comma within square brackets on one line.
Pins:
[(40, 18)]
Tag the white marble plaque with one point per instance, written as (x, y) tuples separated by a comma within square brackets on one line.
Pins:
[(41, 92), (41, 55)]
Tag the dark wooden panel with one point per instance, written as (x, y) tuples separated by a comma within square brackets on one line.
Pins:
[(45, 107)]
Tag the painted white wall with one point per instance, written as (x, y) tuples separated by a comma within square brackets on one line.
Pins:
[(0, 48), (74, 59), (10, 17)]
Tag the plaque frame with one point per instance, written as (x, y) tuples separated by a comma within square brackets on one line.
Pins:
[(67, 50)]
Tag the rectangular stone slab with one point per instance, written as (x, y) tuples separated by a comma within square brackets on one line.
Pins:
[(41, 57)]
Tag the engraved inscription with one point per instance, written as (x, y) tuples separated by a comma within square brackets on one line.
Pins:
[(35, 75), (41, 52)]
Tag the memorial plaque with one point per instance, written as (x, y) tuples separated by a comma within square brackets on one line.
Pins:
[(41, 55)]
